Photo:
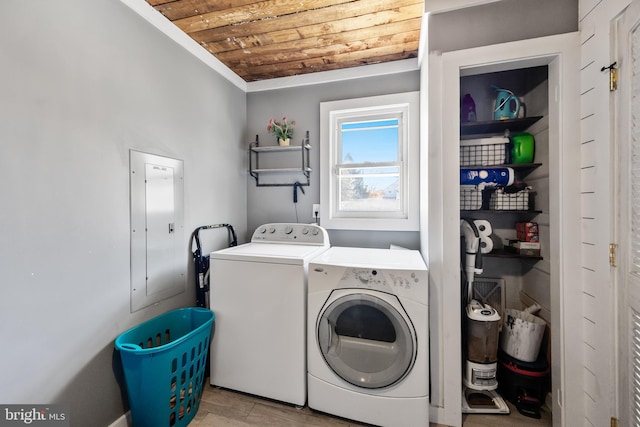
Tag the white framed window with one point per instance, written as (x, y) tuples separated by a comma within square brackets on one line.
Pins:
[(369, 159)]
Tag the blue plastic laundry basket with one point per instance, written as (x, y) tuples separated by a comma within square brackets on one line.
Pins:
[(164, 362)]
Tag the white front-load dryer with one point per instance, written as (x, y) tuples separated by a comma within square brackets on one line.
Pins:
[(258, 294), (368, 336)]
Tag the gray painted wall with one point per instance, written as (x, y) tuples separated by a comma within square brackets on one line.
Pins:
[(275, 204), (81, 83), (500, 22)]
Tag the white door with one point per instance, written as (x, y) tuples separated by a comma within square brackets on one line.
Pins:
[(628, 214)]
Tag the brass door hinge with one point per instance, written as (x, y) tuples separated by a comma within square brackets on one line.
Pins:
[(613, 76), (614, 422), (613, 79), (612, 254)]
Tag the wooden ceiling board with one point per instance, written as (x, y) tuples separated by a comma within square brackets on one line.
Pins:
[(307, 28), (277, 38), (335, 19), (324, 63), (175, 10), (270, 9), (391, 36)]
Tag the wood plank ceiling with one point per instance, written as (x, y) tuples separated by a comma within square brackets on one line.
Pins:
[(266, 39)]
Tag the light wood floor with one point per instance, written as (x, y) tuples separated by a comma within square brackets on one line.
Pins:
[(226, 408)]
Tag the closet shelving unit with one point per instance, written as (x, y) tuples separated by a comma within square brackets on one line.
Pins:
[(498, 128)]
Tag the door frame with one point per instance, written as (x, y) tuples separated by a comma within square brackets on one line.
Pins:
[(561, 54), (621, 151)]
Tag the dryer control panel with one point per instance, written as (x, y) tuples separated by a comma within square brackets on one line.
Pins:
[(379, 279), (307, 234), (411, 284)]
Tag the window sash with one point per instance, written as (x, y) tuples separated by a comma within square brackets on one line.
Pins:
[(368, 207), (350, 122), (376, 201)]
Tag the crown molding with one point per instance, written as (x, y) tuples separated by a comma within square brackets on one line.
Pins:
[(155, 18), (320, 77)]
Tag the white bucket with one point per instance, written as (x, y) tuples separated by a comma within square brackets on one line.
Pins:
[(522, 334)]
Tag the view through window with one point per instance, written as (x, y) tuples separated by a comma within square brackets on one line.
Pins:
[(369, 168)]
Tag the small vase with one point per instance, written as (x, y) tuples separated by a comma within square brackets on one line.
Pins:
[(284, 142)]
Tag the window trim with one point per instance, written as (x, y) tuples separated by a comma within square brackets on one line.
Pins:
[(334, 112)]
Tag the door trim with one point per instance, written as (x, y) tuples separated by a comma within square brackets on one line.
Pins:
[(561, 52)]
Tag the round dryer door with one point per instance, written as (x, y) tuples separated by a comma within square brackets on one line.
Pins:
[(366, 340)]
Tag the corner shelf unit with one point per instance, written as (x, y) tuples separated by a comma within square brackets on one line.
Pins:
[(255, 151)]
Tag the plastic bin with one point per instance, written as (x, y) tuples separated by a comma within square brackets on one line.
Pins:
[(522, 335), (164, 361), (525, 384)]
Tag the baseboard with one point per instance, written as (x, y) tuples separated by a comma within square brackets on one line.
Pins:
[(123, 421)]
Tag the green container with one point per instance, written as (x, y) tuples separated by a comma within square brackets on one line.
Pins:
[(522, 148)]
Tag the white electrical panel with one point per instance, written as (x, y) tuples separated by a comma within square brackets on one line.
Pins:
[(158, 265)]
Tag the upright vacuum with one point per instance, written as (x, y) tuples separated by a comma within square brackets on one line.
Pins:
[(482, 328)]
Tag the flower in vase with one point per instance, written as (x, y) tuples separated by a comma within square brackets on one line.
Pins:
[(282, 129)]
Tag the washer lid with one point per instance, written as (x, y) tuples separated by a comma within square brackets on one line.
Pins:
[(269, 252)]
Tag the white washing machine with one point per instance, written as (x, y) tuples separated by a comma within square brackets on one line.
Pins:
[(368, 336), (258, 294)]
